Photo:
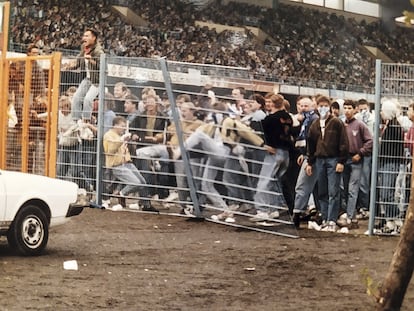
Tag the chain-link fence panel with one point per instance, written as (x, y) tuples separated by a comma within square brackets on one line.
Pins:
[(28, 85), (392, 159), (179, 139)]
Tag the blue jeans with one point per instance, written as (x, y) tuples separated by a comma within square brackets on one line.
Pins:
[(215, 158), (304, 188), (181, 178), (129, 175), (83, 98), (365, 183), (387, 177), (328, 188), (351, 177), (66, 161), (233, 177), (85, 170), (269, 188)]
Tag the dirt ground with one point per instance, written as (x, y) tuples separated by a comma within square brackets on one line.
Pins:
[(135, 261)]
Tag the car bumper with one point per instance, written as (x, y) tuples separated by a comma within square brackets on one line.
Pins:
[(77, 207)]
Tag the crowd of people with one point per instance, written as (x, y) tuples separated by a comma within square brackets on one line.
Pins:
[(306, 47), (250, 156)]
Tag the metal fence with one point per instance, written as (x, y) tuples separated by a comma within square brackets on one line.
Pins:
[(392, 156), (29, 122), (180, 148)]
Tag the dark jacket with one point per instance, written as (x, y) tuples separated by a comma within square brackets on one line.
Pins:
[(138, 126), (391, 148), (334, 144), (93, 65), (277, 130)]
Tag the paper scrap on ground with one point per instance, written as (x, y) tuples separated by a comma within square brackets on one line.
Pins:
[(70, 265)]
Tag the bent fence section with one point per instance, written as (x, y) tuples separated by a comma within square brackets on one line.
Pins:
[(194, 154)]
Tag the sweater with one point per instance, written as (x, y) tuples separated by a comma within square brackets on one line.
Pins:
[(359, 138)]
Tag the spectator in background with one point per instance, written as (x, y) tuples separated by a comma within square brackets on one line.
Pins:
[(68, 140), (120, 92), (238, 94), (109, 114), (38, 83)]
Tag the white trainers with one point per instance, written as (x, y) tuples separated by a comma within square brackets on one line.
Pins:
[(134, 206), (233, 207), (343, 220), (330, 227), (274, 214), (106, 203), (172, 197), (117, 207), (228, 217), (260, 216), (313, 225)]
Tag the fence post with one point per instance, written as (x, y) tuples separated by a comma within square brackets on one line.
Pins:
[(52, 123), (184, 155), (374, 168), (99, 144)]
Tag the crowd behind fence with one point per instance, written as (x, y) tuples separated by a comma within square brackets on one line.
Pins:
[(138, 163)]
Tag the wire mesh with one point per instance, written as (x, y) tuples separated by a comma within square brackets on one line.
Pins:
[(27, 114), (143, 166), (395, 150)]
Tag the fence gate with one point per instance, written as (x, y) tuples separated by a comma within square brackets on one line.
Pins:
[(29, 114), (393, 148)]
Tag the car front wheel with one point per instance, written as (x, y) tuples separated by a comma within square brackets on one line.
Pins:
[(29, 232)]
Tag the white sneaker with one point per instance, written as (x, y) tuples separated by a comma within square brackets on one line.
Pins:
[(233, 207), (344, 230), (230, 219), (134, 206), (188, 210), (313, 225), (330, 227), (106, 203), (117, 207), (173, 196), (274, 214), (225, 215), (260, 216), (343, 220)]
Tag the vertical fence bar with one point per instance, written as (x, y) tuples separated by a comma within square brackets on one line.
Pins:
[(378, 90), (99, 144), (52, 123), (184, 155)]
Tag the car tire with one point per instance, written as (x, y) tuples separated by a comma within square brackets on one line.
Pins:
[(29, 232)]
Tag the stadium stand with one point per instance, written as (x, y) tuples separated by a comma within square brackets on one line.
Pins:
[(307, 47)]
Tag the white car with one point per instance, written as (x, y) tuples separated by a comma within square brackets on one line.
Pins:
[(30, 204)]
